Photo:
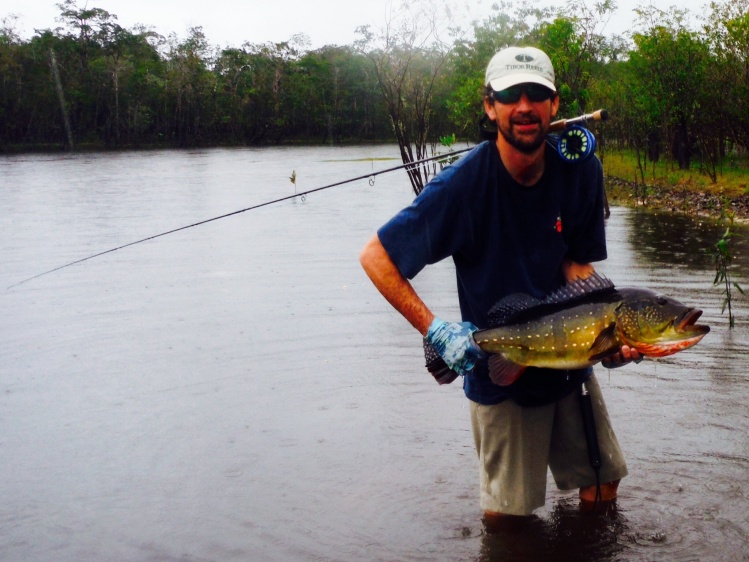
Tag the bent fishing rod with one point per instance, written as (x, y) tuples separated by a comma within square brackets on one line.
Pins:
[(560, 125)]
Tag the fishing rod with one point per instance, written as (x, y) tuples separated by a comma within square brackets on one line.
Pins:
[(600, 115), (561, 125), (302, 194)]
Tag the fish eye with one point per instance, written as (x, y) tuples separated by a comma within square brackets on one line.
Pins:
[(662, 301)]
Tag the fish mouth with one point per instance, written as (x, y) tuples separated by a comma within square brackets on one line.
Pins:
[(686, 333), (687, 323)]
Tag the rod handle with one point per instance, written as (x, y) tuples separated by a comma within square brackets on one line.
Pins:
[(600, 115)]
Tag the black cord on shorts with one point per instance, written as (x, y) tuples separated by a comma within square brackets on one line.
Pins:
[(591, 439)]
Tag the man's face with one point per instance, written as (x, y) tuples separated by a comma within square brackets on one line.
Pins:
[(521, 122)]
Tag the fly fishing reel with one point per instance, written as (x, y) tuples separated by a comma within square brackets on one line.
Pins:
[(574, 144)]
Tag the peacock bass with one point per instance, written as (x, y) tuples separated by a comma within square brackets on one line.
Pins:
[(582, 323)]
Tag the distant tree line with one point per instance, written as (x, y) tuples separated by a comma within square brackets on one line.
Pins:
[(674, 90), (131, 87)]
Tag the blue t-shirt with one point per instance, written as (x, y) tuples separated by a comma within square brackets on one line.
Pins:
[(503, 237)]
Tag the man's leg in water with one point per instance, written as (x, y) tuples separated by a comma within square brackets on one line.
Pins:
[(515, 445), (502, 523), (513, 449), (569, 460), (608, 492)]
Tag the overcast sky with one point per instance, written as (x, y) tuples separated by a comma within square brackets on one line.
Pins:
[(232, 22)]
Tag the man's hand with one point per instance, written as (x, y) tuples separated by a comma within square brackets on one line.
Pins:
[(625, 355), (455, 344)]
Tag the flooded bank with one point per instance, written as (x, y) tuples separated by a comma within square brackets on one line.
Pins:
[(240, 391)]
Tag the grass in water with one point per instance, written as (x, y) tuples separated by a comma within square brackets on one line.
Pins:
[(723, 258)]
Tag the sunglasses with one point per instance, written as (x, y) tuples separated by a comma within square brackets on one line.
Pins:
[(535, 93)]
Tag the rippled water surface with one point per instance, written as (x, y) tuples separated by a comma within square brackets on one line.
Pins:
[(239, 391)]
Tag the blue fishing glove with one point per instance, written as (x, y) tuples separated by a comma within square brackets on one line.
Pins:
[(454, 342)]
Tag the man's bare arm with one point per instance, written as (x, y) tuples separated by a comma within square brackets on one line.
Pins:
[(394, 287)]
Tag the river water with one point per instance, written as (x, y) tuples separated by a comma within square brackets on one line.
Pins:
[(239, 391)]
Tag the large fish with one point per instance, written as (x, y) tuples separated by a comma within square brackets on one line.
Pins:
[(582, 323)]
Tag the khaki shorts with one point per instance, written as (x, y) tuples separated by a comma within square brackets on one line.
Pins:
[(516, 444)]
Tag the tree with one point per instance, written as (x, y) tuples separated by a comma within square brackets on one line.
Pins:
[(407, 57), (11, 82), (191, 86), (577, 50), (727, 30), (671, 64), (469, 58)]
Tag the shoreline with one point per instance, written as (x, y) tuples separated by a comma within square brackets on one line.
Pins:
[(678, 200)]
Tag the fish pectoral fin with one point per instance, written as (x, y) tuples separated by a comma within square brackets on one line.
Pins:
[(605, 344), (504, 372)]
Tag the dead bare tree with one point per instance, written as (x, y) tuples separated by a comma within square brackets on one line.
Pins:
[(407, 57)]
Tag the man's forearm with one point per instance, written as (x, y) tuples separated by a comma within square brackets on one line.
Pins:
[(394, 287)]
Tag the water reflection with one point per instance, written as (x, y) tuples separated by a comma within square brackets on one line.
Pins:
[(682, 241)]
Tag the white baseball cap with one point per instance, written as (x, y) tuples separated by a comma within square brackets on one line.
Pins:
[(518, 65)]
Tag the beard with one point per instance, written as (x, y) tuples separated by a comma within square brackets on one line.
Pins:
[(525, 144)]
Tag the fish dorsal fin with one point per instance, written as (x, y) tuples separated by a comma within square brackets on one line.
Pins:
[(580, 289), (518, 307), (510, 307), (504, 372)]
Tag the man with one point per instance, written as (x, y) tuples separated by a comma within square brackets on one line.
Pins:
[(514, 218)]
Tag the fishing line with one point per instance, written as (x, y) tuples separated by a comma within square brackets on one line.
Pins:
[(302, 194), (564, 125)]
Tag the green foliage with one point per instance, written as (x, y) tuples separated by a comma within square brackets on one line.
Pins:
[(448, 141), (571, 64), (468, 59), (465, 105), (722, 259), (134, 87), (675, 95)]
